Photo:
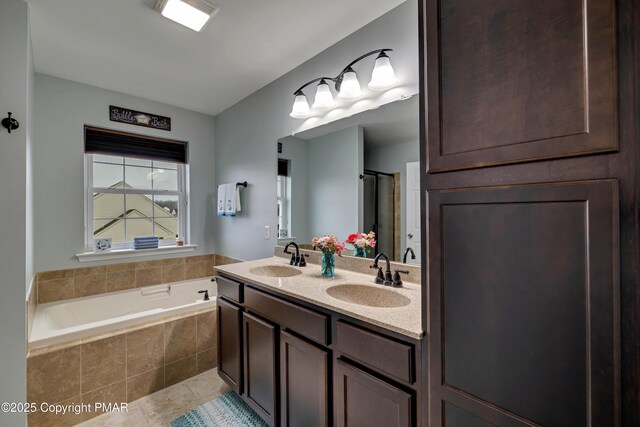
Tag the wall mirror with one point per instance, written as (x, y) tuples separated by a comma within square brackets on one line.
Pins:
[(357, 174)]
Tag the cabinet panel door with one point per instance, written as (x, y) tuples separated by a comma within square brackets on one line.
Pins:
[(304, 383), (229, 326), (260, 375), (362, 400), (519, 80), (524, 305)]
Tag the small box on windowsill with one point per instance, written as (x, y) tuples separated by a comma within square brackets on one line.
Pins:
[(145, 242)]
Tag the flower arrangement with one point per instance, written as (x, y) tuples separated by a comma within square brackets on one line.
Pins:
[(363, 243), (329, 244)]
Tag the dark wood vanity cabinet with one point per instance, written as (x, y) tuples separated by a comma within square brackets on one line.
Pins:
[(298, 365), (365, 400), (304, 382), (229, 326), (260, 366)]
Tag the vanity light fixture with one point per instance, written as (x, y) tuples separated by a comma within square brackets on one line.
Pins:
[(194, 14), (346, 84)]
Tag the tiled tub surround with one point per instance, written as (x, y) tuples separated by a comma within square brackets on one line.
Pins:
[(81, 282), (120, 367), (61, 322)]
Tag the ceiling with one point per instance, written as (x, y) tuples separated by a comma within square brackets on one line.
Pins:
[(389, 124), (126, 46)]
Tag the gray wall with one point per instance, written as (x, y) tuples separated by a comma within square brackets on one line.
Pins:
[(62, 108), (16, 67), (334, 192), (246, 134), (392, 159)]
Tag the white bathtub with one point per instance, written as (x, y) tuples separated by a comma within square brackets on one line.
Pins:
[(64, 321)]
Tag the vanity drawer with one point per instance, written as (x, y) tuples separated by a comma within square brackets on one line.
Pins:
[(289, 316), (230, 288), (386, 355)]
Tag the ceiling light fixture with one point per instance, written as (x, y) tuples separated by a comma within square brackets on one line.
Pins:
[(194, 14), (347, 85)]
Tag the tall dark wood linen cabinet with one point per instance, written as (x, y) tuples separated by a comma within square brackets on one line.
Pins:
[(530, 153)]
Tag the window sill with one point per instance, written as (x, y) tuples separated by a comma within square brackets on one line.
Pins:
[(133, 253)]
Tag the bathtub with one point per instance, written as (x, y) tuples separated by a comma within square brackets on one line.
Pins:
[(65, 321)]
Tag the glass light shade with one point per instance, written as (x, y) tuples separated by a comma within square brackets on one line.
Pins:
[(350, 87), (383, 76), (301, 108), (185, 14), (324, 98)]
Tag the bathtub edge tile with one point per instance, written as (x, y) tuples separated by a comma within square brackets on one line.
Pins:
[(103, 362), (145, 384)]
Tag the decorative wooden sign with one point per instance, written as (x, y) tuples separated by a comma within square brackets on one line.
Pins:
[(138, 118)]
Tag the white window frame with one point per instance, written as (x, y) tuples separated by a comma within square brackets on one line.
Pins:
[(284, 202), (183, 204)]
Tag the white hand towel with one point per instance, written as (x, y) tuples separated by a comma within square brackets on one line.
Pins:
[(222, 198), (231, 200), (238, 205)]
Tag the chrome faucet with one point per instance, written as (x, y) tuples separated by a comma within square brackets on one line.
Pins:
[(406, 252), (387, 279), (296, 258)]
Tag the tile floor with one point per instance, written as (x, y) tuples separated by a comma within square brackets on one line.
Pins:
[(160, 408)]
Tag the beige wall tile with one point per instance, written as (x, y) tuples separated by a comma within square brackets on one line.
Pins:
[(180, 339), (55, 290), (103, 362), (148, 277), (180, 370), (121, 280), (171, 261), (145, 384), (206, 360), (145, 350), (172, 273), (195, 270), (89, 285), (88, 271), (57, 274), (121, 267), (49, 419), (113, 393), (148, 264), (197, 258), (209, 267), (54, 377), (206, 336)]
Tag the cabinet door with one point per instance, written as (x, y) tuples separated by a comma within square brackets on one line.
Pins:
[(523, 305), (260, 357), (363, 400), (230, 344), (517, 80), (304, 387)]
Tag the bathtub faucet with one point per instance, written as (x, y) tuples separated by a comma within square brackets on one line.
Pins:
[(206, 294)]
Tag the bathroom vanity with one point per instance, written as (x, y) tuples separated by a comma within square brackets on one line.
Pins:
[(303, 350)]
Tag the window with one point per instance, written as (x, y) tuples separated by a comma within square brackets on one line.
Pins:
[(283, 191), (135, 186)]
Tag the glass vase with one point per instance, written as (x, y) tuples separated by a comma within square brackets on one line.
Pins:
[(360, 252), (328, 264)]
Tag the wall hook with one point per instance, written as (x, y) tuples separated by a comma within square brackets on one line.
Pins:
[(10, 124), (362, 177)]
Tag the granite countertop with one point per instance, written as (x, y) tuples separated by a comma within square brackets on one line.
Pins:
[(311, 287)]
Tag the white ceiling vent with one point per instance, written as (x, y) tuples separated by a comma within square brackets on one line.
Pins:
[(194, 14)]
